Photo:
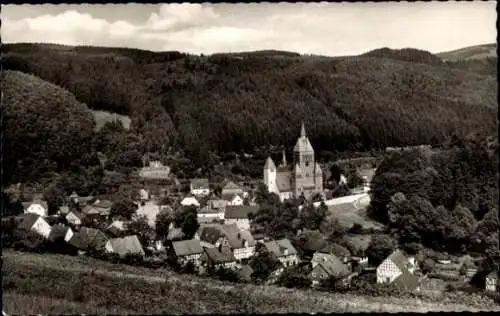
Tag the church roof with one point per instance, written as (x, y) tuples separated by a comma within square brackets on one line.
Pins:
[(284, 181), (269, 164)]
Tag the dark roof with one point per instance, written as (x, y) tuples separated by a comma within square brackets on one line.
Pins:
[(332, 265), (88, 238), (221, 254), (284, 180), (27, 220), (211, 234), (187, 247), (336, 249), (235, 237), (269, 163), (197, 184), (125, 245), (278, 247), (492, 275), (240, 211), (58, 232)]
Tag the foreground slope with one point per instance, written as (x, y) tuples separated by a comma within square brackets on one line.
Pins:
[(84, 285)]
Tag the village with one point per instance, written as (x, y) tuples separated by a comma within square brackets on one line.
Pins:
[(227, 241)]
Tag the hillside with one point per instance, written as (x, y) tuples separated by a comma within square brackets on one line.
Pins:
[(76, 285), (220, 104), (44, 125), (406, 54), (472, 52), (101, 117)]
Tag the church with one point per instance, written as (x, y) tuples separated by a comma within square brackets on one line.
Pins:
[(304, 176)]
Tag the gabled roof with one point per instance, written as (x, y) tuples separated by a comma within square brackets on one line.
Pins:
[(239, 211), (230, 185), (406, 280), (284, 180), (74, 195), (269, 164), (199, 184), (58, 232), (230, 196), (26, 205), (88, 238), (332, 265), (221, 254), (492, 275), (235, 237), (278, 247), (187, 247), (303, 143), (336, 249), (27, 220), (103, 204), (125, 245), (191, 200), (77, 214)]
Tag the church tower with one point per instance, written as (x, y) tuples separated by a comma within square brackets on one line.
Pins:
[(304, 165), (270, 175)]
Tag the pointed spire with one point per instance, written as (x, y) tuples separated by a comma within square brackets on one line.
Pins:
[(284, 159), (302, 130)]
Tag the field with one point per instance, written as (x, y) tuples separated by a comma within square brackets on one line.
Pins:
[(353, 212), (57, 284), (101, 117)]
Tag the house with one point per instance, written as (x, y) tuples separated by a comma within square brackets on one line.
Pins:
[(491, 282), (38, 207), (199, 187), (155, 170), (339, 251), (60, 232), (232, 188), (241, 242), (233, 199), (143, 195), (188, 251), (75, 218), (190, 201), (103, 207), (88, 239), (217, 204), (206, 215), (116, 228), (124, 246), (284, 251), (219, 257), (397, 269), (325, 266), (34, 222), (239, 215)]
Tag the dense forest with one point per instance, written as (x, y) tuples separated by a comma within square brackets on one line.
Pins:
[(456, 187), (203, 107)]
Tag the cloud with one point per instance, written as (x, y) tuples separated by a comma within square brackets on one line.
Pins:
[(327, 28)]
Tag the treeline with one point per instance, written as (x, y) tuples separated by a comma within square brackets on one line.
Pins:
[(446, 200), (205, 106)]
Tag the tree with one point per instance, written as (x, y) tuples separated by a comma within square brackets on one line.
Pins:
[(187, 219), (124, 208), (294, 277), (311, 217), (140, 227), (262, 263), (54, 197), (162, 224), (381, 246), (335, 173)]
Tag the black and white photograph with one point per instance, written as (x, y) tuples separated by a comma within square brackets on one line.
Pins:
[(249, 158)]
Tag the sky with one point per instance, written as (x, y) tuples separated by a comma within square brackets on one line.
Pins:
[(330, 29)]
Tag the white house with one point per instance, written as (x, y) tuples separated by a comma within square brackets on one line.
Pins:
[(239, 215), (241, 242), (233, 199), (74, 218), (491, 282), (35, 223), (284, 251), (398, 269), (199, 187), (190, 200), (143, 194), (38, 207)]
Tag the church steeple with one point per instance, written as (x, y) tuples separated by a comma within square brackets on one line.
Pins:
[(284, 159), (302, 130)]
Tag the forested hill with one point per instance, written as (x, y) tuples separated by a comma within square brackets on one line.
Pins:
[(226, 103)]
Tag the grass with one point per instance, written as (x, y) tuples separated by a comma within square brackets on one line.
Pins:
[(101, 117), (348, 214), (57, 284)]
